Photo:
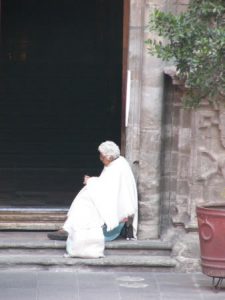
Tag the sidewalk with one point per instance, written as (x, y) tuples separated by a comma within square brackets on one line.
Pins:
[(105, 285)]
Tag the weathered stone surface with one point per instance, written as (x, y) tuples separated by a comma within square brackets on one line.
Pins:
[(136, 13), (144, 131), (145, 230), (187, 252), (26, 249), (149, 208), (178, 153), (109, 261), (151, 111), (195, 173)]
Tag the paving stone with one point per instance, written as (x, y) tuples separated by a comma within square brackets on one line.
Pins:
[(106, 285)]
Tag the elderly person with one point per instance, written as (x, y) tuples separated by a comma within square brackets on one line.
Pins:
[(106, 201)]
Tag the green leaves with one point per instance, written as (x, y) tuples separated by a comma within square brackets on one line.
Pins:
[(195, 40)]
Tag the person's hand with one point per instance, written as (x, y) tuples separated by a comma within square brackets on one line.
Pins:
[(86, 177)]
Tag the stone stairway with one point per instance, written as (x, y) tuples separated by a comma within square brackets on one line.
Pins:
[(32, 249), (32, 219)]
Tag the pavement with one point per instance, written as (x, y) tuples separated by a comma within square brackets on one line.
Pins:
[(106, 285)]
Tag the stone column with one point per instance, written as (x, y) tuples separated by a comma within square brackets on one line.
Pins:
[(135, 57), (143, 135)]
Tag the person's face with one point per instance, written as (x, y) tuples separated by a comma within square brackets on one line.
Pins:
[(104, 160)]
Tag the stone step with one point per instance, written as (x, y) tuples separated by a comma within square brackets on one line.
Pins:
[(32, 218), (26, 249), (47, 225), (109, 261), (117, 247)]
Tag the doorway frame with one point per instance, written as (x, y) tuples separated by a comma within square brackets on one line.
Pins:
[(125, 55)]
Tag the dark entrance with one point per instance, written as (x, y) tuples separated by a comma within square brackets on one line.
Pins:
[(60, 96)]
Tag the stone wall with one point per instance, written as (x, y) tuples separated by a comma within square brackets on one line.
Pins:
[(193, 169), (143, 142), (177, 154), (198, 152), (144, 131)]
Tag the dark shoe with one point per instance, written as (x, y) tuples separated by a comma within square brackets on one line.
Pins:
[(60, 235), (127, 232), (130, 234)]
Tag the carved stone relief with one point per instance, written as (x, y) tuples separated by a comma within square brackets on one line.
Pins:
[(200, 154)]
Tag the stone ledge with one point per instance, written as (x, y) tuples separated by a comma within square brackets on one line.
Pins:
[(29, 226), (139, 244), (118, 244), (108, 261)]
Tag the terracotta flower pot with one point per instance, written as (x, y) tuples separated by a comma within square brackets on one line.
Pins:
[(211, 226)]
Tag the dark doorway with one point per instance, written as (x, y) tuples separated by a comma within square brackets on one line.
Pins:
[(60, 96)]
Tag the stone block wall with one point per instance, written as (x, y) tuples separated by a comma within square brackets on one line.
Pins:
[(193, 170), (178, 154), (194, 156), (143, 142), (144, 131)]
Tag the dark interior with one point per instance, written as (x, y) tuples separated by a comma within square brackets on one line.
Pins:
[(60, 96)]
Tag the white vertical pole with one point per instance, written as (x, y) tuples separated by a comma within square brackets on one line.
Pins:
[(128, 97)]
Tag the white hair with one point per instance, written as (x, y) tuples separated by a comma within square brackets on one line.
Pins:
[(109, 150)]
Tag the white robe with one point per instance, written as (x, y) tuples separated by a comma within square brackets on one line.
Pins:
[(106, 199)]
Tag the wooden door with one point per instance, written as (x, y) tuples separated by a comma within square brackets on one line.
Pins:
[(60, 96)]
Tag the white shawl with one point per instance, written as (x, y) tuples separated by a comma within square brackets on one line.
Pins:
[(114, 194)]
